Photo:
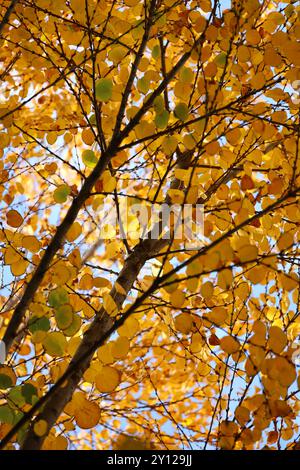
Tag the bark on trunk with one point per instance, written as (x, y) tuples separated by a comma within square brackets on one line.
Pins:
[(102, 323)]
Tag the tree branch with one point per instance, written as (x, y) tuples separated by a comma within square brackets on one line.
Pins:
[(58, 396), (7, 14), (78, 202)]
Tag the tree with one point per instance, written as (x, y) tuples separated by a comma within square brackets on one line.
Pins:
[(116, 338)]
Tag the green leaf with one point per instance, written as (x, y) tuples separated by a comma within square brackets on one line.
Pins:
[(159, 104), (186, 75), (6, 415), (61, 193), (55, 344), (143, 85), (29, 391), (38, 324), (220, 60), (57, 297), (92, 119), (181, 111), (103, 89), (34, 399), (89, 158), (162, 119), (74, 327), (156, 52), (5, 382), (64, 316), (16, 397)]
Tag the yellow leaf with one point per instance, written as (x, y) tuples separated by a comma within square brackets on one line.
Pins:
[(108, 379), (87, 414), (11, 256), (225, 279), (75, 258), (61, 273), (130, 327), (131, 3), (104, 354), (120, 347), (101, 282), (176, 196), (229, 344), (40, 427), (169, 144), (60, 443), (109, 182), (253, 37), (218, 315), (197, 343), (109, 305), (233, 136), (243, 54), (74, 232), (86, 282), (192, 195), (242, 415), (207, 290), (19, 268), (184, 323), (31, 243), (277, 339), (183, 175), (177, 299), (88, 137), (247, 253), (14, 219), (285, 241), (279, 408), (258, 81)]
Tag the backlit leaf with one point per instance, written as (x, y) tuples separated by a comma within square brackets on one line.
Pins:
[(55, 344), (108, 379), (61, 194), (103, 89)]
